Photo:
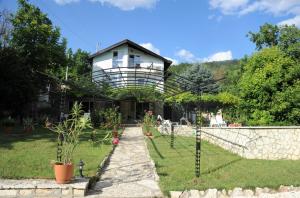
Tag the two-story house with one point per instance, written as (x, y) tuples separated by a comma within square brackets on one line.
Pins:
[(128, 64)]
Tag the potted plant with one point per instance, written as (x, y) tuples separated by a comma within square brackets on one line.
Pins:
[(113, 120), (28, 125), (148, 123), (68, 133), (8, 124)]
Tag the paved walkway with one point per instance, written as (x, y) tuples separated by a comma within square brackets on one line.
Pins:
[(130, 172)]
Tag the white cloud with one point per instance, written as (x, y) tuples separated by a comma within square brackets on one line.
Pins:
[(129, 4), (174, 61), (185, 55), (63, 2), (275, 7), (219, 56), (227, 6), (292, 21), (150, 47)]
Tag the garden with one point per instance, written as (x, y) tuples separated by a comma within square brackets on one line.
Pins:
[(219, 168)]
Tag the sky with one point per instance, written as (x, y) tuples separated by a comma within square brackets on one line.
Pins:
[(181, 30)]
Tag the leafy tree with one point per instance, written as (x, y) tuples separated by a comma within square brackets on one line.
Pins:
[(36, 39), (270, 88), (79, 63), (287, 38), (268, 36), (17, 87)]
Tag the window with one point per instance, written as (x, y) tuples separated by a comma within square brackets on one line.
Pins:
[(131, 61), (134, 61), (117, 60)]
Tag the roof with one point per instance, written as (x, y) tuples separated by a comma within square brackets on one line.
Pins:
[(133, 45)]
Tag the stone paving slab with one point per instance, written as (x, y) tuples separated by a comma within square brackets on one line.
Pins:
[(130, 172)]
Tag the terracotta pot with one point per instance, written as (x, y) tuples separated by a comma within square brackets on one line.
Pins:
[(115, 134), (148, 134), (63, 173)]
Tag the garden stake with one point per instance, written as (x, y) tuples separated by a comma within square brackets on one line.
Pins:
[(172, 136)]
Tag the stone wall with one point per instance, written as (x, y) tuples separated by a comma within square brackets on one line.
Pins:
[(42, 188), (252, 142), (281, 192)]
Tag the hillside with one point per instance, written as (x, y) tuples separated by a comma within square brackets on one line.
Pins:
[(218, 69)]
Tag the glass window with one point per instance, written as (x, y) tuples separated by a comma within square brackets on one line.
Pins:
[(131, 61)]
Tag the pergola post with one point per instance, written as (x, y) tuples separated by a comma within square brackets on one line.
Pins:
[(198, 136)]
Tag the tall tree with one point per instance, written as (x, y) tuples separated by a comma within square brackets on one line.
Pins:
[(37, 40), (287, 38), (200, 79), (269, 88)]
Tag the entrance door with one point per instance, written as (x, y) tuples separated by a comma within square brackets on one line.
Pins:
[(140, 108)]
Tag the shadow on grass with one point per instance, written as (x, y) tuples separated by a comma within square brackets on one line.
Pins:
[(40, 133), (209, 171), (156, 149)]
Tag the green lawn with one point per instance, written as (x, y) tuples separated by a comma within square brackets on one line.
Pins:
[(29, 155), (219, 168)]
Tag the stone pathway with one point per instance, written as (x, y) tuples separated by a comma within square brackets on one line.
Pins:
[(130, 172)]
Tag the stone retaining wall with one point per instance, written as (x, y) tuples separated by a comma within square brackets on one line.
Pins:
[(282, 192), (42, 188), (252, 142)]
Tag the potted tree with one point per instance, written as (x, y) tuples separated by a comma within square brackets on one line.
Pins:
[(69, 132), (28, 125), (148, 123), (8, 124)]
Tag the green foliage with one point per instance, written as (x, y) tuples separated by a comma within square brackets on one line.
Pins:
[(219, 100), (17, 84), (37, 40), (112, 117), (148, 121), (8, 122), (28, 123), (70, 130), (287, 38), (266, 37), (140, 93), (201, 80), (269, 88)]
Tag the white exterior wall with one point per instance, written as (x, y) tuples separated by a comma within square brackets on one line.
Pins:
[(105, 61)]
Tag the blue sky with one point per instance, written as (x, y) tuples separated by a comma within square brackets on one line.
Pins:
[(183, 30)]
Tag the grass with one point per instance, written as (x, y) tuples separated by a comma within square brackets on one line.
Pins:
[(29, 155), (219, 168)]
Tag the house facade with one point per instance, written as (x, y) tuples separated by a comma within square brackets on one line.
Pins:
[(127, 64)]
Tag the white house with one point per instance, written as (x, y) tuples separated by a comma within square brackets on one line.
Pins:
[(128, 64)]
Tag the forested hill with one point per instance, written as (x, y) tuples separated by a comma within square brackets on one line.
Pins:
[(218, 69)]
